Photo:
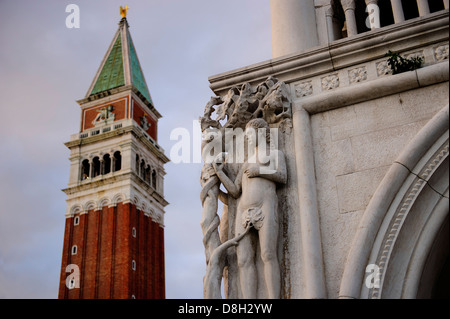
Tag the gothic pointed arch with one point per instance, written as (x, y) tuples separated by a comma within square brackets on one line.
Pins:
[(404, 230)]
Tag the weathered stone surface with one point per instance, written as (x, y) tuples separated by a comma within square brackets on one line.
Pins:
[(350, 184)]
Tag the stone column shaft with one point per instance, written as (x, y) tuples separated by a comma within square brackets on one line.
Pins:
[(397, 10), (313, 268), (293, 26), (329, 20), (350, 19), (424, 9)]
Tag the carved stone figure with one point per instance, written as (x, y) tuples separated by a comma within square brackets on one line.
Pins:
[(105, 116), (257, 207), (250, 217), (145, 124)]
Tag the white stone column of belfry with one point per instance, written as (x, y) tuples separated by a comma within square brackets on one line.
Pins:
[(397, 10), (350, 19), (91, 167), (446, 4), (312, 257), (102, 166), (293, 25), (424, 9), (329, 20), (373, 11)]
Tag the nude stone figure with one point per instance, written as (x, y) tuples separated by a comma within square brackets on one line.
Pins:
[(255, 190)]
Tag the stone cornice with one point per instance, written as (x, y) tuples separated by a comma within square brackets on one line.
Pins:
[(128, 128), (115, 181), (369, 46), (433, 74), (155, 148)]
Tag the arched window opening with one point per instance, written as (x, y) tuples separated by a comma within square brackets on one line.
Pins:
[(142, 169), (153, 184), (137, 164), (117, 161), (95, 167), (85, 169), (106, 164), (147, 174)]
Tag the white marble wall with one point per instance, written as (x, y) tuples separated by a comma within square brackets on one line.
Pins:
[(354, 146)]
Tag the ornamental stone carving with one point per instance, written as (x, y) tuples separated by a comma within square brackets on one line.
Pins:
[(303, 89), (441, 52), (249, 166), (383, 68), (357, 75), (330, 82), (105, 116)]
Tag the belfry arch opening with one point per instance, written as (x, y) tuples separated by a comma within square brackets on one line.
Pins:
[(100, 166), (96, 166), (85, 169), (117, 161), (106, 169)]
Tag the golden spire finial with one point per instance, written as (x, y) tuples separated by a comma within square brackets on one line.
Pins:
[(123, 11)]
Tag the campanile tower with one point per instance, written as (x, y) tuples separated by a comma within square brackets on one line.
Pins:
[(114, 235)]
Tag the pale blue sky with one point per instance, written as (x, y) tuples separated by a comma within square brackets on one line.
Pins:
[(45, 67)]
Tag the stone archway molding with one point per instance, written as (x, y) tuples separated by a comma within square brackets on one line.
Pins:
[(397, 176)]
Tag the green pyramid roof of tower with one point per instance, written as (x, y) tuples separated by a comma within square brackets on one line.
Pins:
[(136, 72), (120, 66), (111, 75)]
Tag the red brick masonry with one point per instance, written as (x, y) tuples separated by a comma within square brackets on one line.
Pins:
[(106, 248)]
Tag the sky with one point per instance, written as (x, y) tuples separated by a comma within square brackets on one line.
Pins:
[(45, 67)]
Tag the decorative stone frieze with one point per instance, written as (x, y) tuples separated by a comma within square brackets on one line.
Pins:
[(303, 89), (91, 204), (357, 75), (441, 52), (330, 82), (383, 68)]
